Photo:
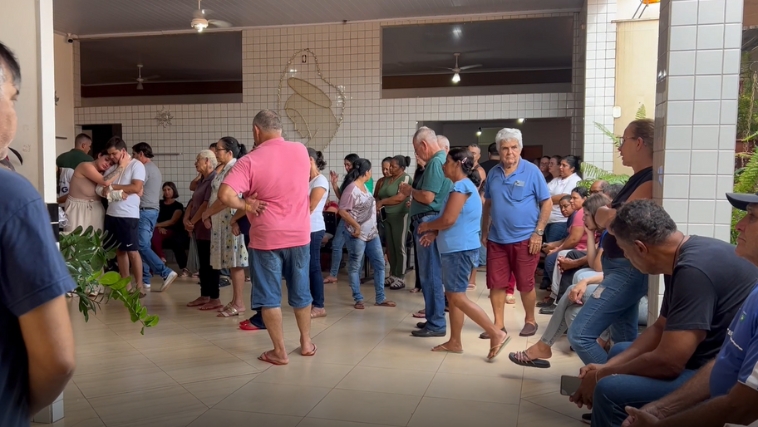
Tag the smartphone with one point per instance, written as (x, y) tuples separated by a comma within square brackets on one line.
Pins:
[(569, 384)]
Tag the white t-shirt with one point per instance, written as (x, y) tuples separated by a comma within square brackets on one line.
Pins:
[(65, 181), (128, 208), (317, 216), (561, 186)]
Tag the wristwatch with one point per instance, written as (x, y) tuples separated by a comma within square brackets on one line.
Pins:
[(540, 232)]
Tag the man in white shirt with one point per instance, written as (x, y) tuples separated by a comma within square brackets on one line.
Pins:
[(122, 216)]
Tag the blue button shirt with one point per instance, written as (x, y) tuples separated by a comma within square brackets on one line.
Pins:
[(738, 358), (464, 234), (515, 201)]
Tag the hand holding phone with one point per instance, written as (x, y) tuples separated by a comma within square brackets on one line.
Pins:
[(569, 384)]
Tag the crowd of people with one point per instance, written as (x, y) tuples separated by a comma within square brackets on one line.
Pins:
[(697, 364)]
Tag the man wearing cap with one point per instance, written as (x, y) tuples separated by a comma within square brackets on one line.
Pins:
[(726, 389)]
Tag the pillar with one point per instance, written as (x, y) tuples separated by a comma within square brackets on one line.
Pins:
[(28, 31), (696, 117)]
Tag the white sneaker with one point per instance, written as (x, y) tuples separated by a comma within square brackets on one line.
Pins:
[(168, 281)]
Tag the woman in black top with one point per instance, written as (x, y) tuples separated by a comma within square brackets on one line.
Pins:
[(169, 229), (420, 164), (615, 302)]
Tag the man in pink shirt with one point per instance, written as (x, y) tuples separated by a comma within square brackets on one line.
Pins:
[(273, 181)]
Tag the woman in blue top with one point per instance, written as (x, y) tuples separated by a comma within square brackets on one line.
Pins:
[(457, 232)]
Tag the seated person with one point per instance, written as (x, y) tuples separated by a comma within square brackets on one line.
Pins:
[(575, 237), (169, 229), (706, 283), (587, 280), (726, 389)]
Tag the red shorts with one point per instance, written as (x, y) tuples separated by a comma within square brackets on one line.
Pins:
[(511, 266)]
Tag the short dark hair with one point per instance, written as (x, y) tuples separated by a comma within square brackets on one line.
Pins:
[(9, 62), (492, 149), (212, 146), (612, 190), (81, 138), (642, 220), (115, 142), (172, 186), (144, 148)]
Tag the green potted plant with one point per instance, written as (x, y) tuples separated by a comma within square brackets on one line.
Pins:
[(86, 253)]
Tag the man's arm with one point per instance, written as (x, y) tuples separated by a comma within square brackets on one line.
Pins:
[(656, 353), (486, 208), (49, 342), (230, 198), (133, 188), (737, 407), (422, 196), (546, 206)]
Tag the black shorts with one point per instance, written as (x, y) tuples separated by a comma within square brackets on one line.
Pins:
[(124, 232)]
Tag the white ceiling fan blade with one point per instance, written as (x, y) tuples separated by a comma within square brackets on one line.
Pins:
[(468, 67), (445, 68), (218, 23)]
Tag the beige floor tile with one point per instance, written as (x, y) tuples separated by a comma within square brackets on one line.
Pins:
[(366, 407), (558, 403), (470, 387), (124, 379), (317, 422), (162, 407), (531, 415), (433, 412), (279, 399), (306, 372), (216, 418), (384, 380), (211, 392)]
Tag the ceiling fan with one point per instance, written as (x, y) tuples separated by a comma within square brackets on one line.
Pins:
[(141, 79), (201, 22), (457, 70)]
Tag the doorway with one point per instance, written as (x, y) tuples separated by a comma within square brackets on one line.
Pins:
[(100, 135)]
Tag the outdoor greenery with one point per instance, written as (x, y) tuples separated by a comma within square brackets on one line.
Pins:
[(87, 252)]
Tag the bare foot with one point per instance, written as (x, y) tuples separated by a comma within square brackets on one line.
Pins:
[(198, 302), (308, 353), (317, 312), (539, 351), (330, 279), (212, 304), (449, 347), (272, 358)]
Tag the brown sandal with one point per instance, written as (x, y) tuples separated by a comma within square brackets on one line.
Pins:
[(386, 304), (359, 305)]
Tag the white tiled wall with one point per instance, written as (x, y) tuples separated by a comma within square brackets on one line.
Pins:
[(349, 56), (600, 81), (696, 115)]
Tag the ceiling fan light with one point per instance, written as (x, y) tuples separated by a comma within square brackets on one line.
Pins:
[(456, 78), (479, 132), (139, 86)]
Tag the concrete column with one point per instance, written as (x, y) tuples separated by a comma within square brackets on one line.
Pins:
[(28, 31), (696, 116), (600, 83)]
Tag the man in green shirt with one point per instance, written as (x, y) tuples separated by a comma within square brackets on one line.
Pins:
[(68, 161), (427, 201)]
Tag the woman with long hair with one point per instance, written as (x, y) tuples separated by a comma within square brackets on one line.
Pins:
[(393, 202), (319, 193), (169, 229), (228, 249), (83, 206), (456, 230), (340, 234), (358, 211), (205, 164)]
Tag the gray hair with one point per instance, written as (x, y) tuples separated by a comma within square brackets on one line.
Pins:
[(443, 141), (209, 156), (424, 133), (508, 134), (268, 121)]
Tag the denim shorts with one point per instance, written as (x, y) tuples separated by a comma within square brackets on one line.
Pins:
[(268, 268), (456, 269)]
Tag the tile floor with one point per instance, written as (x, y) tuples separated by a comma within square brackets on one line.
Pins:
[(194, 369)]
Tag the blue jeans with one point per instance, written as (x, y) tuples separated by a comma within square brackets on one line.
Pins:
[(356, 249), (555, 231), (456, 269), (269, 267), (614, 304), (614, 393), (338, 243), (150, 261), (547, 275), (314, 272), (430, 270)]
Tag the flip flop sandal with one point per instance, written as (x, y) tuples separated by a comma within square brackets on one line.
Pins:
[(442, 349), (510, 299), (471, 287), (386, 304), (486, 336), (310, 353), (196, 303), (322, 313), (230, 312), (520, 358), (247, 326), (419, 314), (499, 349), (264, 358), (359, 305)]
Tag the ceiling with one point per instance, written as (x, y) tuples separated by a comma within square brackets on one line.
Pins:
[(181, 57), (93, 17), (543, 44)]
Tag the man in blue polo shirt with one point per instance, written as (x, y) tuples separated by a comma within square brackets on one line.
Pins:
[(426, 203), (726, 389), (517, 201)]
